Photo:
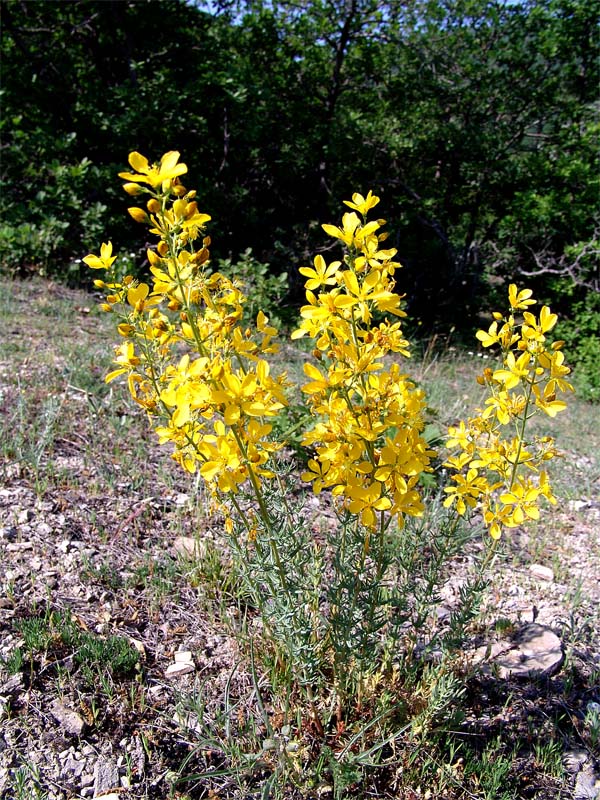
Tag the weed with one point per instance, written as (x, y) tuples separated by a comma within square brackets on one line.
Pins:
[(491, 772), (113, 655), (27, 783), (14, 661)]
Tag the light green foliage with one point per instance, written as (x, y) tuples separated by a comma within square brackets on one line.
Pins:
[(42, 236), (264, 291), (99, 658)]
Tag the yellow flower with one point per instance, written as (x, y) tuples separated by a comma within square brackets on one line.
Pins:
[(104, 260), (546, 400), (155, 175), (519, 299), (126, 357), (514, 370), (505, 406), (489, 337), (350, 223), (365, 501), (362, 204), (317, 474), (467, 491), (460, 436), (321, 275), (532, 330), (521, 503)]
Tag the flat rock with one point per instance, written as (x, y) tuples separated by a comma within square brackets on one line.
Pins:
[(179, 668), (541, 572), (70, 720), (587, 785), (106, 778), (574, 760), (533, 651)]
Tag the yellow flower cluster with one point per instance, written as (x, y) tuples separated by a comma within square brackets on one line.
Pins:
[(502, 473), (204, 379), (367, 438), (190, 362)]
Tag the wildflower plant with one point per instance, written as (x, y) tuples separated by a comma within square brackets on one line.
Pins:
[(342, 606), (503, 474)]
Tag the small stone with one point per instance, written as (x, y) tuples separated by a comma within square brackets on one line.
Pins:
[(179, 668), (574, 760), (187, 721), (10, 534), (25, 516), (541, 572), (106, 778), (587, 785), (70, 720), (533, 651), (184, 657), (44, 529), (139, 646), (15, 547), (73, 766), (536, 651), (188, 546), (87, 780), (4, 776), (579, 505)]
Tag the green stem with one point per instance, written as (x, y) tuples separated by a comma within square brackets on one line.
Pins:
[(521, 436)]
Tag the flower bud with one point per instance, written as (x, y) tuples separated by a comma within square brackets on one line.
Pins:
[(133, 189), (153, 258), (138, 214), (153, 206)]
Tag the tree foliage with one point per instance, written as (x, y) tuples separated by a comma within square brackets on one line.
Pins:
[(476, 120)]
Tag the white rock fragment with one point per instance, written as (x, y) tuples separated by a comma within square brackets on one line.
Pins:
[(15, 547), (184, 657), (541, 572), (179, 668), (578, 505), (587, 785), (188, 546), (187, 721)]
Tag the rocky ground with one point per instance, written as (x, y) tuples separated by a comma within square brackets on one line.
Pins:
[(104, 547)]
